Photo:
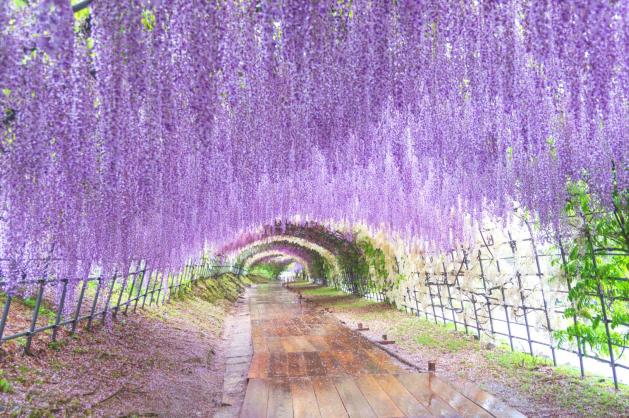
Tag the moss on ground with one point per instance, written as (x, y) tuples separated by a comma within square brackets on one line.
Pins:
[(327, 296), (226, 286), (302, 284)]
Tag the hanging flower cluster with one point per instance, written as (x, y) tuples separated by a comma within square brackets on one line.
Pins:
[(157, 125)]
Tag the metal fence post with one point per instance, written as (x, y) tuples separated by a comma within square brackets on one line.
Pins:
[(60, 309), (487, 295), (114, 310), (451, 305), (138, 294), (108, 300), (5, 315), (518, 276), (164, 286), (601, 296), (40, 294), (148, 287), (78, 306), (158, 276), (506, 309), (130, 292), (540, 275), (432, 302), (574, 315), (93, 311)]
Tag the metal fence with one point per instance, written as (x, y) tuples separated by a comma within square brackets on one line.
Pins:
[(507, 290), (56, 307)]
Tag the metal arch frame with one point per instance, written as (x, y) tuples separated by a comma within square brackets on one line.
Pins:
[(253, 250), (82, 5), (292, 240)]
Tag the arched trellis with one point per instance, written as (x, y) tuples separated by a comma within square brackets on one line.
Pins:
[(310, 253), (273, 255), (337, 247)]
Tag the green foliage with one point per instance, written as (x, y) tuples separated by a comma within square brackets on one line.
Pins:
[(517, 360), (374, 258), (81, 14), (5, 386), (590, 396), (365, 264), (320, 267), (329, 296), (324, 292), (269, 271), (20, 3), (595, 259), (55, 345), (43, 310), (148, 19)]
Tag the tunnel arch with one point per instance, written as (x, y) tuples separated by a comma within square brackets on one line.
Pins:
[(319, 262), (286, 243), (335, 247), (268, 255)]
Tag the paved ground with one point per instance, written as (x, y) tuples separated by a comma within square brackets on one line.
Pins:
[(306, 364)]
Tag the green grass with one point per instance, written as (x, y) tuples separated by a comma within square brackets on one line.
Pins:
[(328, 296), (56, 345), (268, 271), (434, 336), (591, 396), (5, 386), (517, 360), (322, 292), (300, 284), (44, 311)]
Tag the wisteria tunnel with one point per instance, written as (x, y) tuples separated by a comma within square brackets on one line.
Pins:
[(314, 208)]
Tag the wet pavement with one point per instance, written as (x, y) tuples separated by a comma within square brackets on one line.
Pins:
[(307, 364)]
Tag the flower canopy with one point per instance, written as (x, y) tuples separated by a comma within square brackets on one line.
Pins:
[(152, 126)]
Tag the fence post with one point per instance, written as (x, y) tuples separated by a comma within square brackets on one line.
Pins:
[(159, 291), (451, 307), (487, 295), (5, 315), (131, 289), (504, 305), (458, 287), (574, 315), (114, 310), (180, 281), (158, 276), (540, 275), (78, 306), (139, 291), (93, 311), (171, 285), (408, 292), (148, 287), (40, 294), (601, 296), (108, 300), (432, 302), (518, 276), (478, 329), (443, 313), (60, 308), (164, 286)]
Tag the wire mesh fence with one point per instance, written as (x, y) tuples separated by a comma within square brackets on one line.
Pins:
[(60, 305)]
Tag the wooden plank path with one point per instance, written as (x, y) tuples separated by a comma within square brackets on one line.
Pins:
[(306, 364)]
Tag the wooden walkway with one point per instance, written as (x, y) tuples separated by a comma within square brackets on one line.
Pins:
[(309, 365)]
